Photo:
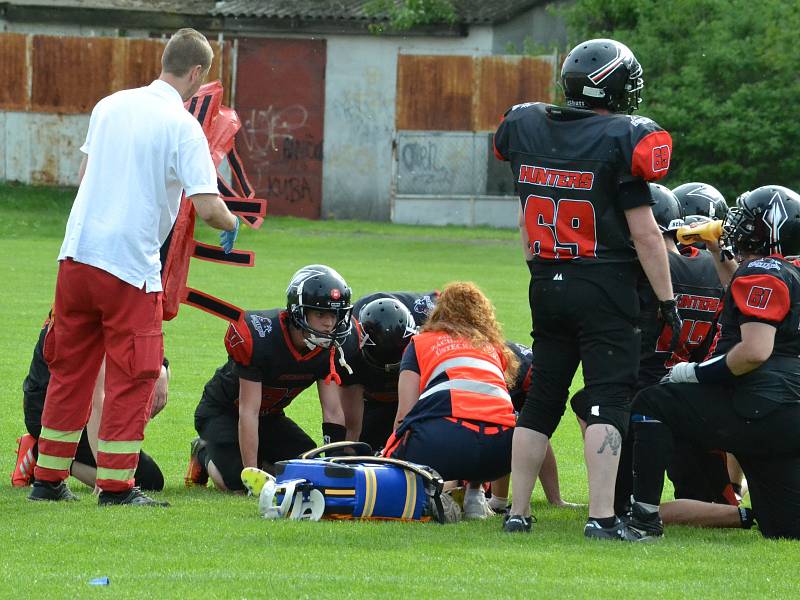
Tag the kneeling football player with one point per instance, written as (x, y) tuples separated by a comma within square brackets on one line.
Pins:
[(273, 356)]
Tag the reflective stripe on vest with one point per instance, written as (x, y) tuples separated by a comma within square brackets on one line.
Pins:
[(465, 361), (468, 385)]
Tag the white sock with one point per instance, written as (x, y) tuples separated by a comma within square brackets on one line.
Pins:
[(497, 502), (472, 494)]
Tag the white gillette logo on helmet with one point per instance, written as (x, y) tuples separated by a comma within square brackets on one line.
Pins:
[(593, 92)]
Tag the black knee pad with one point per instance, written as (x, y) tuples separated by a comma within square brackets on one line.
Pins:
[(580, 403), (608, 410)]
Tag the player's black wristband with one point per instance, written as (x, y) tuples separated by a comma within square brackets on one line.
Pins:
[(333, 432), (165, 363), (714, 370)]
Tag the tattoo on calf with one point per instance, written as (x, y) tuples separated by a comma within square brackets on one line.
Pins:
[(613, 440)]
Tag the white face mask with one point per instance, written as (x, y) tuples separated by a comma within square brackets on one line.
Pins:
[(314, 341)]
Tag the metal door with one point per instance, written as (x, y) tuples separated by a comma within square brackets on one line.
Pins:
[(280, 98)]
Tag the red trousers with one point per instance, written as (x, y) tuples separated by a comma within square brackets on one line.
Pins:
[(95, 315)]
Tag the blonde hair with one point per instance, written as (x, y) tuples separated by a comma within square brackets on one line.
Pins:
[(186, 49), (463, 311)]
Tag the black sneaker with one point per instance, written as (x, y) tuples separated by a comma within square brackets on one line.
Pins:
[(618, 531), (132, 497), (644, 521), (517, 524), (51, 492)]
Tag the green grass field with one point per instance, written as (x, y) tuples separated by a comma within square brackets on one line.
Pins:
[(212, 545)]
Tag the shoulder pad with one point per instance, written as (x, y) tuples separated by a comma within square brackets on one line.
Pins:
[(643, 122), (520, 106), (239, 343), (260, 325), (423, 305), (767, 263)]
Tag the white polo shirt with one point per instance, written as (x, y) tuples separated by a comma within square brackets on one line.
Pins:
[(143, 149)]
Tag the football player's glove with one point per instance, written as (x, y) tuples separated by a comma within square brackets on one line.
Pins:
[(681, 373), (668, 310)]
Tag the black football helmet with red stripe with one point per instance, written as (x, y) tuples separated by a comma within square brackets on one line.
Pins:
[(602, 74), (701, 199), (765, 221), (319, 287)]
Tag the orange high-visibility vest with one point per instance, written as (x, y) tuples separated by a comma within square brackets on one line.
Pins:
[(461, 381)]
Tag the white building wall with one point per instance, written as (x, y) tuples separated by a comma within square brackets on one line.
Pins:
[(360, 102)]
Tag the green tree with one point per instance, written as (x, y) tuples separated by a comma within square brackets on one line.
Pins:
[(720, 76), (403, 15)]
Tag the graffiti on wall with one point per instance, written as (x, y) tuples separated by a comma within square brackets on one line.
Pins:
[(277, 145)]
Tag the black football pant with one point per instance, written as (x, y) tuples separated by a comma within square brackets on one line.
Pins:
[(279, 438), (582, 314), (766, 441), (696, 473)]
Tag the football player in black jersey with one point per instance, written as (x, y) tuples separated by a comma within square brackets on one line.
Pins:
[(273, 356), (147, 476), (386, 320), (581, 172), (746, 398)]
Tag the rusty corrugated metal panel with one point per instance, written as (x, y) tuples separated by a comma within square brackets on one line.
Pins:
[(280, 98), (13, 71), (434, 92), (70, 74), (504, 81), (137, 62), (227, 72)]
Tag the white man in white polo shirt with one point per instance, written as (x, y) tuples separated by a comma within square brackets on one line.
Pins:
[(142, 150)]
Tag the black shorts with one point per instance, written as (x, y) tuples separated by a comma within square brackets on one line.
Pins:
[(763, 435), (583, 314), (456, 451), (378, 423), (279, 438)]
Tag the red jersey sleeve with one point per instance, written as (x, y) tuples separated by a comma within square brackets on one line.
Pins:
[(651, 156), (239, 343), (761, 297)]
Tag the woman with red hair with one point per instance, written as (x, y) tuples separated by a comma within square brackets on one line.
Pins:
[(455, 413)]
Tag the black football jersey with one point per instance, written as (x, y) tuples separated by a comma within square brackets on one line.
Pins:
[(764, 290), (381, 385), (568, 165), (698, 294), (519, 390), (260, 349)]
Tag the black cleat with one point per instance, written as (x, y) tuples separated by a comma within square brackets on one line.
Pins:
[(644, 521), (51, 492), (618, 531), (517, 524), (131, 497)]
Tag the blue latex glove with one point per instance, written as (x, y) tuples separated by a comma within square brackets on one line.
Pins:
[(226, 238)]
